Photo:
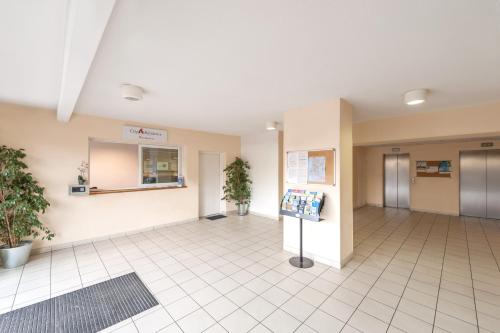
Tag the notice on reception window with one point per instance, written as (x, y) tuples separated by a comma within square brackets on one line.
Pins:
[(297, 167)]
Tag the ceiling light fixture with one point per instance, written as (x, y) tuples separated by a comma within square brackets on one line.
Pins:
[(415, 97), (271, 125), (131, 92)]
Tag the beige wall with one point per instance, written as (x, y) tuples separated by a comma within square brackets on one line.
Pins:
[(359, 177), (329, 241), (113, 165), (54, 151), (478, 122), (440, 195)]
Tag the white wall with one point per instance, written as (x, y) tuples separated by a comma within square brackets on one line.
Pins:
[(261, 150)]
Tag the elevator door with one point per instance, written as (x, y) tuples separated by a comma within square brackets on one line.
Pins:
[(480, 183), (397, 181)]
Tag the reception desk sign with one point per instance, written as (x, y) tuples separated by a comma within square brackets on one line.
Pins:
[(142, 134)]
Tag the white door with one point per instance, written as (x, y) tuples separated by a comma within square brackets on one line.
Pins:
[(210, 185)]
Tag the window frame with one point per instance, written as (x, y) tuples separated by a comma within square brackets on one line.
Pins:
[(141, 164)]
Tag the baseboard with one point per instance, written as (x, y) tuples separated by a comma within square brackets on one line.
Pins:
[(370, 204), (45, 249), (433, 211), (346, 260), (275, 218), (317, 258), (359, 207)]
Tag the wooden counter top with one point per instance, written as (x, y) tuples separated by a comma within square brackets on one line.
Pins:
[(136, 189)]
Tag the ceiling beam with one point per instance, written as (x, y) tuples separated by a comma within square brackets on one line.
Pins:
[(85, 25)]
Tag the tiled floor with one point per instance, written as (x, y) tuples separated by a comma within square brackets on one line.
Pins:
[(411, 272)]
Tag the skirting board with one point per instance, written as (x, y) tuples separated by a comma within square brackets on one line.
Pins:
[(275, 218), (45, 249), (432, 211), (320, 259)]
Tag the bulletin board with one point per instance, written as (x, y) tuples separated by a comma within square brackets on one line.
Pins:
[(311, 167), (441, 169)]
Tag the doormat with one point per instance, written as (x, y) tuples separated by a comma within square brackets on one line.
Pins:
[(215, 217), (90, 309)]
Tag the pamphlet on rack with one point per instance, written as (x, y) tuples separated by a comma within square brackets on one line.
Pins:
[(303, 202)]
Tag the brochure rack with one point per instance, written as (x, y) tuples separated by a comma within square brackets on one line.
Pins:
[(306, 205)]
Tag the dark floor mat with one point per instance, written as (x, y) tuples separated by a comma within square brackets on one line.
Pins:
[(90, 309), (215, 217)]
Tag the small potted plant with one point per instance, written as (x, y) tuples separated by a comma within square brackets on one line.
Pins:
[(83, 169), (21, 201), (237, 188)]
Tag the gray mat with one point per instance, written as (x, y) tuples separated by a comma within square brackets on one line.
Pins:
[(85, 310), (215, 217)]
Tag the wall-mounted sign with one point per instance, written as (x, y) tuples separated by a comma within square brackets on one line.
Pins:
[(486, 144), (396, 150), (143, 134), (434, 169)]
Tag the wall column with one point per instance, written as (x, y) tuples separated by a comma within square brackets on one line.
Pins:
[(323, 126)]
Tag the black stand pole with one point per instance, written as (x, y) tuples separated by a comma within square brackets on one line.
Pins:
[(301, 261)]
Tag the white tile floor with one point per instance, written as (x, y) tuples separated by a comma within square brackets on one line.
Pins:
[(411, 272)]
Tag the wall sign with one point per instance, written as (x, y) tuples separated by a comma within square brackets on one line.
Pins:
[(143, 134), (434, 169)]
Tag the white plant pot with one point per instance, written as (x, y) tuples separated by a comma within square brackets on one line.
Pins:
[(16, 256), (242, 209)]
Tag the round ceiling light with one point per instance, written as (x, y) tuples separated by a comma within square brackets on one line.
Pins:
[(415, 97), (131, 92), (271, 125)]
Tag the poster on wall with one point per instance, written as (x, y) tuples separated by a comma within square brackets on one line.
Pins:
[(297, 167), (142, 134), (434, 169), (317, 169)]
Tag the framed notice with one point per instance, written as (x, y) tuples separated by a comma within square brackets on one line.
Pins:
[(311, 167), (434, 169)]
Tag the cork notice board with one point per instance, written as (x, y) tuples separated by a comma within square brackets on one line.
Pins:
[(311, 167), (434, 169)]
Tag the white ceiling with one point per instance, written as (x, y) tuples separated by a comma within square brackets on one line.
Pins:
[(31, 51), (228, 66)]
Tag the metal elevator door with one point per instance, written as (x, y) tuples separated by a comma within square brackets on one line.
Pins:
[(397, 181), (480, 183)]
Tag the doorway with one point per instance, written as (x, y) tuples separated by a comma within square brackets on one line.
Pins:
[(480, 183), (210, 183), (397, 180)]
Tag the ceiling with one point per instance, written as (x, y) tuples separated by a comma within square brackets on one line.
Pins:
[(228, 66)]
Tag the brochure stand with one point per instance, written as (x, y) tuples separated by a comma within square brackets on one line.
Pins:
[(296, 211)]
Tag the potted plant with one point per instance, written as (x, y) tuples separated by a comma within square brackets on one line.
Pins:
[(21, 200), (237, 188), (83, 169)]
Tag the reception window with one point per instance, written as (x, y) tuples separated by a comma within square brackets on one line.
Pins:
[(159, 165), (126, 166)]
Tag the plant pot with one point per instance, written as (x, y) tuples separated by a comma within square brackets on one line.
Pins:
[(242, 209), (16, 256)]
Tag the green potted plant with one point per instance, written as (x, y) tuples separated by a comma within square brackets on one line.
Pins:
[(237, 188), (83, 169), (21, 201)]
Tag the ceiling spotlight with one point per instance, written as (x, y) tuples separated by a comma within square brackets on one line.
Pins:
[(415, 97), (271, 125), (131, 92)]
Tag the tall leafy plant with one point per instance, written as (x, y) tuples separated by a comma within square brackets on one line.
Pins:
[(21, 200), (237, 188)]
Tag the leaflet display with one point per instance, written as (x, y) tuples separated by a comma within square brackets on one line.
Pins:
[(303, 204)]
